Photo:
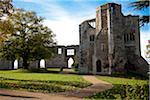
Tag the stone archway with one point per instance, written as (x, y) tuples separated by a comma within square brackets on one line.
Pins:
[(42, 63), (98, 66), (70, 61)]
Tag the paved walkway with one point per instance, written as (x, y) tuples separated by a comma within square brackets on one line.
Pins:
[(97, 86)]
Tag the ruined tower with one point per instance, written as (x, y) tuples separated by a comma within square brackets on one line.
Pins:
[(112, 44)]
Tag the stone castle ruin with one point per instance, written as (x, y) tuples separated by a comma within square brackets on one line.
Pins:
[(111, 42), (60, 59), (64, 53), (108, 43)]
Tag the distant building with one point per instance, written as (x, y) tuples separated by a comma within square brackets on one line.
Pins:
[(111, 42)]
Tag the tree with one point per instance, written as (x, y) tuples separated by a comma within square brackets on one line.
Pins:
[(42, 45), (6, 9), (30, 37), (7, 50), (140, 5), (6, 29)]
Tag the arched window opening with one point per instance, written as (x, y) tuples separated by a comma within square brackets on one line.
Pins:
[(103, 47), (125, 38), (92, 37), (98, 66), (70, 62), (133, 37)]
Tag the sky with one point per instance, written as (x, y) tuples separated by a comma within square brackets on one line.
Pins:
[(64, 16)]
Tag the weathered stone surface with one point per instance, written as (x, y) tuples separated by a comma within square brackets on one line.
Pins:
[(116, 42), (6, 64), (61, 60)]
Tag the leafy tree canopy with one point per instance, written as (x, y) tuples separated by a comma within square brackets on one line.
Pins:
[(30, 39), (140, 5)]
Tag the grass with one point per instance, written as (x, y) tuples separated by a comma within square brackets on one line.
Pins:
[(117, 80), (123, 88), (43, 82), (27, 75)]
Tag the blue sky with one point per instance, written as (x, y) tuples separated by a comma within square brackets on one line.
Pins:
[(64, 16)]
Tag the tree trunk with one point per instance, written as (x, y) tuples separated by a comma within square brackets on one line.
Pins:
[(25, 63)]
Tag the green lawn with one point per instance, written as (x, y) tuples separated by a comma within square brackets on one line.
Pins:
[(116, 80), (43, 82), (123, 88)]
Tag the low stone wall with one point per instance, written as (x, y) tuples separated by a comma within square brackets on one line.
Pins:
[(55, 63), (33, 65), (5, 64)]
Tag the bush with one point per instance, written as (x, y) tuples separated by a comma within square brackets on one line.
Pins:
[(124, 92), (75, 66)]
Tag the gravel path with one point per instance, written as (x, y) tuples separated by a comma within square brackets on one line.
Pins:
[(97, 86)]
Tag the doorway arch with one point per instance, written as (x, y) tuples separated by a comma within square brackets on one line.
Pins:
[(98, 66), (16, 64), (42, 63), (70, 62)]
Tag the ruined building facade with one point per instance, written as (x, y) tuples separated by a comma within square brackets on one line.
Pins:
[(110, 42)]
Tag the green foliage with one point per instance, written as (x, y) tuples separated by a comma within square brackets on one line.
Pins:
[(6, 29), (42, 82), (75, 66), (140, 5), (27, 75), (42, 86), (39, 81), (124, 81), (124, 92), (5, 7), (34, 87), (30, 39), (124, 89)]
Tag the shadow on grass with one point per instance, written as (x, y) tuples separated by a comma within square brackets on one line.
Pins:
[(49, 70)]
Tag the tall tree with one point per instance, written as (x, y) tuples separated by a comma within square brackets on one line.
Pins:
[(6, 9), (140, 5), (42, 45), (31, 35)]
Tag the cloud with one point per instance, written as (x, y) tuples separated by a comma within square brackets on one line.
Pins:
[(65, 24), (64, 17), (28, 0)]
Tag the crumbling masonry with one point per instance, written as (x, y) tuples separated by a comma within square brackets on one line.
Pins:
[(108, 43), (111, 42)]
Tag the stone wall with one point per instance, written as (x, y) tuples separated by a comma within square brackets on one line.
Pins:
[(86, 49), (118, 56), (61, 60), (117, 42), (5, 64)]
